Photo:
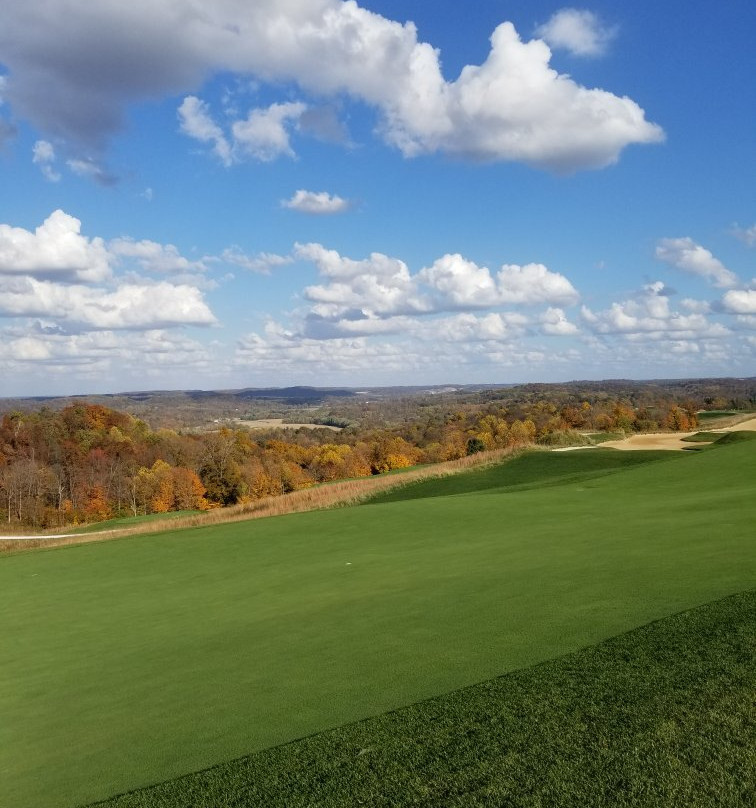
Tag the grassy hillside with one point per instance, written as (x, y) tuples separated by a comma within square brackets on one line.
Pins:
[(659, 716), (137, 660), (534, 469), (741, 436)]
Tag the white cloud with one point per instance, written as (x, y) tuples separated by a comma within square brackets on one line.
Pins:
[(534, 283), (515, 107), (56, 249), (263, 262), (264, 134), (375, 286), (380, 287), (128, 306), (649, 316), (458, 282), (465, 343), (493, 327), (740, 301), (92, 356), (43, 155), (746, 322), (746, 234), (57, 274), (196, 122), (554, 323), (697, 306), (154, 257), (316, 202), (277, 351), (688, 256), (458, 328), (578, 31), (74, 76)]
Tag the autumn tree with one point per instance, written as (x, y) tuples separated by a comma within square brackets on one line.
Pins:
[(188, 491), (219, 469), (96, 506)]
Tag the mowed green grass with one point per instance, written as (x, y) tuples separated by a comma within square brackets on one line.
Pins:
[(533, 469), (133, 661), (660, 716), (131, 521)]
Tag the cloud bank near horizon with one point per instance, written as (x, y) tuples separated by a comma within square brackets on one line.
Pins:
[(73, 303)]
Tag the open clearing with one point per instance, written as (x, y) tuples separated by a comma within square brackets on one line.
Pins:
[(278, 423), (133, 661)]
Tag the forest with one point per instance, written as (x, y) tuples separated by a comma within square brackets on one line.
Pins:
[(85, 462)]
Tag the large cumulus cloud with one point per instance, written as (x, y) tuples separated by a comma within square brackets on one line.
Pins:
[(74, 65)]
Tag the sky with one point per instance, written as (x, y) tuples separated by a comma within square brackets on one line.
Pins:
[(217, 194)]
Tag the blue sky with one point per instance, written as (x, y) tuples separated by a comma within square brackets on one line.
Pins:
[(224, 194)]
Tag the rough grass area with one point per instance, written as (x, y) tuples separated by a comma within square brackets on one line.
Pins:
[(664, 715), (134, 661), (529, 470)]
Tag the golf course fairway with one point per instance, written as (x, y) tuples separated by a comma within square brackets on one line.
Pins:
[(129, 662)]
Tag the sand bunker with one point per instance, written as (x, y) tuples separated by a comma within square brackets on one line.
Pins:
[(673, 440)]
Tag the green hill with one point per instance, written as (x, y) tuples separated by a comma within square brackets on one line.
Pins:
[(533, 469), (130, 662), (736, 437)]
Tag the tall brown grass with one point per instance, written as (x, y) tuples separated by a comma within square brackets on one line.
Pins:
[(337, 494)]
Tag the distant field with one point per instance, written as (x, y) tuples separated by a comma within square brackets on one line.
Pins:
[(133, 661), (279, 423)]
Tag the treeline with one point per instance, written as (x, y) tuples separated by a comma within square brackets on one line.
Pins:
[(87, 462)]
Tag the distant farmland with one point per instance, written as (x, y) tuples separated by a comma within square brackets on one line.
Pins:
[(134, 661)]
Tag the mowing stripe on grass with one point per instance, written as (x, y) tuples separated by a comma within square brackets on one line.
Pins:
[(662, 715)]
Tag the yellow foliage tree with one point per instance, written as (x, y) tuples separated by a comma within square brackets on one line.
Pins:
[(188, 491)]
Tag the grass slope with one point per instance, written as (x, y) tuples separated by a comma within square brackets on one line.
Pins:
[(134, 661), (662, 715), (534, 469), (741, 436), (129, 521)]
